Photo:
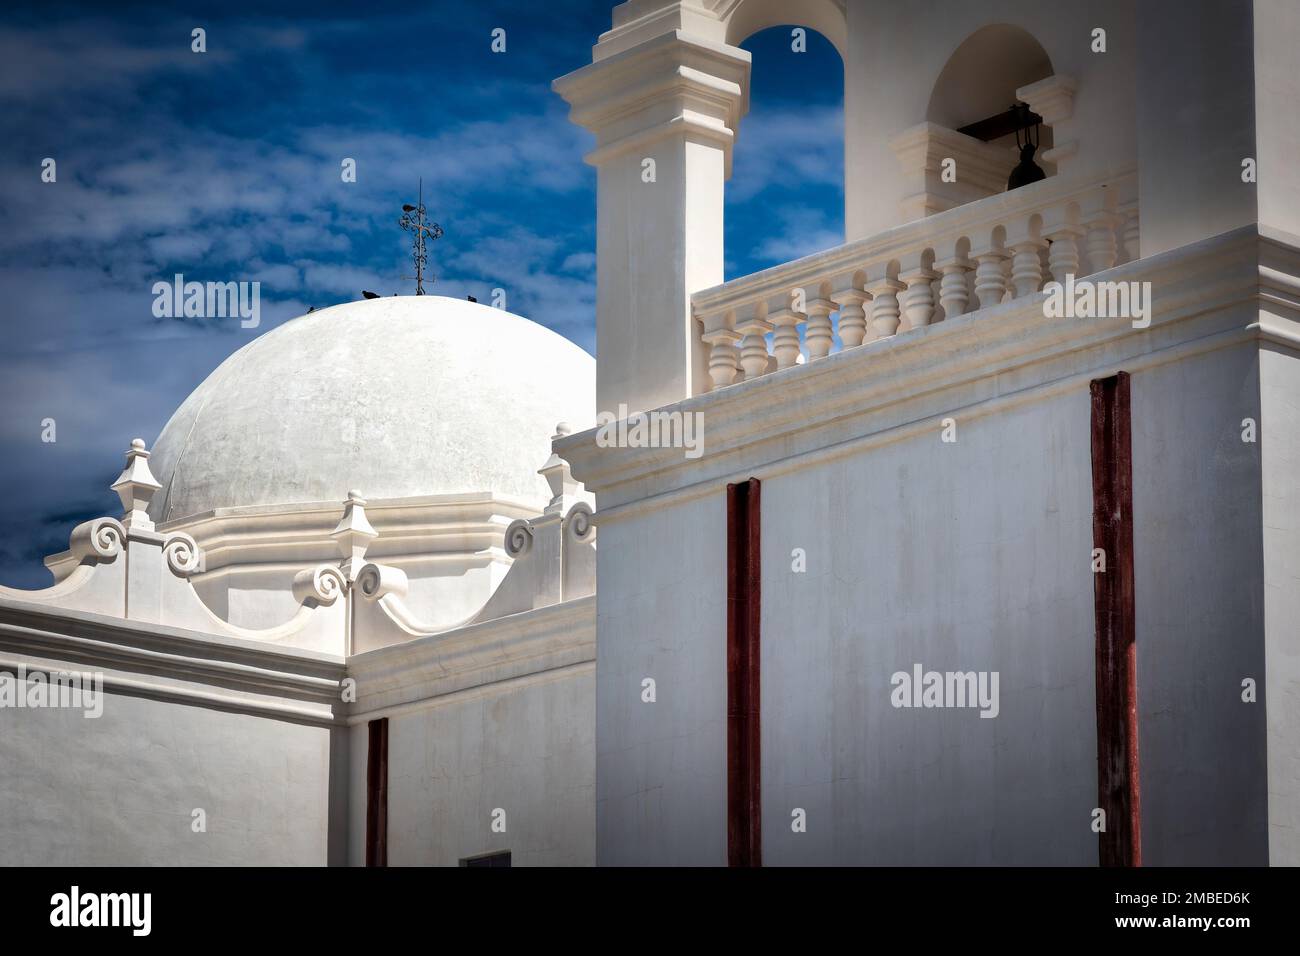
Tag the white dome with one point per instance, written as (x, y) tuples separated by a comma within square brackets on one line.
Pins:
[(395, 397)]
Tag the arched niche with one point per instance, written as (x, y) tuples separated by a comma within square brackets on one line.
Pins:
[(983, 74), (992, 69)]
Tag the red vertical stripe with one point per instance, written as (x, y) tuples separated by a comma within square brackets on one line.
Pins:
[(1118, 779), (377, 794), (744, 803)]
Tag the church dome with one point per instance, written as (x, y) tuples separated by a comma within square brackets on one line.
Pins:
[(395, 397)]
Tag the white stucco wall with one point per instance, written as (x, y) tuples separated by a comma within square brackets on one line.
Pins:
[(1277, 125), (1196, 112), (119, 790), (1279, 451), (966, 556), (661, 768), (1198, 579), (971, 555), (526, 747)]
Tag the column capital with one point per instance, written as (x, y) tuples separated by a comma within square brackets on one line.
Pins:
[(674, 84)]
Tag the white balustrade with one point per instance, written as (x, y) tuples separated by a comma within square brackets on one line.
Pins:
[(945, 266)]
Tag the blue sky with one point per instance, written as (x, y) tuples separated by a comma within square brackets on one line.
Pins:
[(225, 166)]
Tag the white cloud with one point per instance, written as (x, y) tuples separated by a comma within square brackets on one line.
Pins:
[(584, 262), (790, 147), (798, 231)]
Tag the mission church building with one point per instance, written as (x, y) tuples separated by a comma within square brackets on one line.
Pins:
[(928, 562)]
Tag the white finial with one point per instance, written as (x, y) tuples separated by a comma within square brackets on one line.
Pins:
[(354, 534), (136, 486), (556, 473)]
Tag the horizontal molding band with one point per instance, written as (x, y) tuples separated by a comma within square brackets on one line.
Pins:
[(930, 423), (89, 641), (507, 648), (322, 714), (562, 672), (792, 410)]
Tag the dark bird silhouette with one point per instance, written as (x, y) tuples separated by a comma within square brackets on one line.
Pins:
[(370, 295)]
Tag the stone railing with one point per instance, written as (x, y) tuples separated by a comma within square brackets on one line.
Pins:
[(963, 260)]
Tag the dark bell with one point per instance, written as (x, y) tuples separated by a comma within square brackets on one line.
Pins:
[(1027, 171)]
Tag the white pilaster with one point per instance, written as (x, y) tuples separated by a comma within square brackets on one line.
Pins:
[(664, 111)]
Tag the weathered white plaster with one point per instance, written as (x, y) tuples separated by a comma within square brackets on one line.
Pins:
[(366, 518), (966, 556), (398, 397)]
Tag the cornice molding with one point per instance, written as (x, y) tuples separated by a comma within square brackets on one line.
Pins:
[(501, 650), (674, 84), (463, 527), (908, 378), (208, 670), (163, 662)]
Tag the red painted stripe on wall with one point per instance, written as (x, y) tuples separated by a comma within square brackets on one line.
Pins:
[(744, 798), (377, 794), (1118, 777)]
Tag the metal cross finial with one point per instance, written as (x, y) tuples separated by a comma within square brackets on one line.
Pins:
[(414, 221)]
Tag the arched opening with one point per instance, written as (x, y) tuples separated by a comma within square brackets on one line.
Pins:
[(748, 17), (981, 77), (979, 108), (785, 198)]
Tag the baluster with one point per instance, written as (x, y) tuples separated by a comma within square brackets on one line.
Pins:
[(953, 292), (1101, 243), (722, 356), (1130, 234), (884, 306), (753, 345), (1026, 265), (1099, 220), (1063, 255), (918, 303), (785, 337), (990, 276), (819, 335), (853, 317)]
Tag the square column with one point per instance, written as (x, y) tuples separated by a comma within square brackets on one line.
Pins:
[(664, 113)]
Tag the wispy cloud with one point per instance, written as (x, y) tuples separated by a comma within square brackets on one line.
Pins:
[(226, 166), (790, 148), (798, 231)]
